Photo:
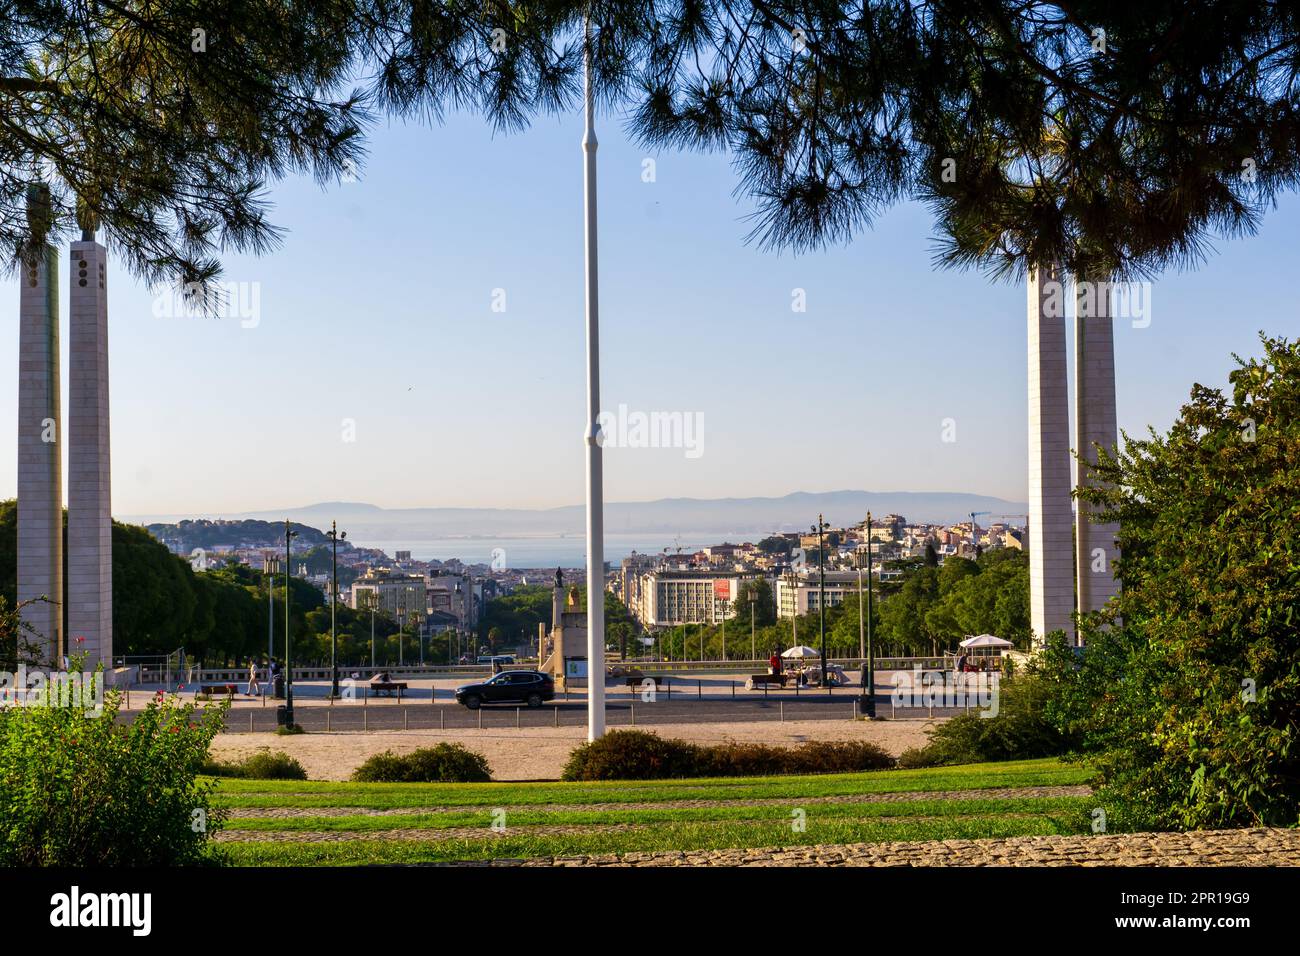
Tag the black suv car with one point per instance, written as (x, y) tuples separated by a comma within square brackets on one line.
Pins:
[(515, 687)]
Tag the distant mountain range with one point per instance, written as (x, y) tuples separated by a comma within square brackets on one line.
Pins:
[(792, 512)]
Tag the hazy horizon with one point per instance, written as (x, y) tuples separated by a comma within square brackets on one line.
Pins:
[(377, 370)]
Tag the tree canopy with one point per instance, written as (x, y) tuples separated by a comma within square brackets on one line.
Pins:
[(1110, 136)]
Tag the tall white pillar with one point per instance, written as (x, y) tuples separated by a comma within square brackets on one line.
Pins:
[(1094, 425), (1051, 571), (90, 525), (40, 458), (595, 480)]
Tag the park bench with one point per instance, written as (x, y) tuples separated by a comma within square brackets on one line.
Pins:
[(207, 690), (637, 683), (387, 688), (758, 680)]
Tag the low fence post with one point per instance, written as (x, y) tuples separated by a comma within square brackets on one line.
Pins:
[(405, 725), (733, 688), (556, 711), (442, 724), (480, 717), (633, 706), (250, 720), (365, 719), (328, 711), (699, 690), (516, 718), (781, 704)]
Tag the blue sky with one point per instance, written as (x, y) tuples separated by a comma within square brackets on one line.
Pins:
[(378, 309)]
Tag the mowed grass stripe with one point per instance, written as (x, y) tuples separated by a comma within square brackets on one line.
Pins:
[(262, 793), (682, 836), (901, 796), (655, 815)]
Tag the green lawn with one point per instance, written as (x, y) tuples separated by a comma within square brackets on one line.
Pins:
[(631, 817)]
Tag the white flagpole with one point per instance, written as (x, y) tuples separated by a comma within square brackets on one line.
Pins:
[(595, 494)]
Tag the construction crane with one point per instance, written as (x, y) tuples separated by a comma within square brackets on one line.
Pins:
[(974, 534)]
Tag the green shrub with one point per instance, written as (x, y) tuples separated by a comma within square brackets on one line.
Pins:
[(81, 790), (1187, 695), (632, 755), (637, 755), (917, 758), (442, 763), (1020, 731), (262, 765)]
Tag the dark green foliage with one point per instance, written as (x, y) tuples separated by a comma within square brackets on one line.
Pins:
[(636, 755), (441, 763), (631, 755), (1030, 141), (1020, 731), (1187, 695), (263, 765), (81, 790)]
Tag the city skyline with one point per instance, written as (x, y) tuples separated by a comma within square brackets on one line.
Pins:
[(452, 404)]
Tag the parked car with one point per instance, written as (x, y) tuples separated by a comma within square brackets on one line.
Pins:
[(511, 687), (502, 659)]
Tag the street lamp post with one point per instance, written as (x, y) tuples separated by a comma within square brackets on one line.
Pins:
[(401, 624), (270, 612), (820, 528), (289, 535), (372, 599), (869, 664), (753, 643), (334, 535)]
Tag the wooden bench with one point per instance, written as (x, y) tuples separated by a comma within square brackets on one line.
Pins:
[(638, 683), (757, 680), (387, 688), (207, 690)]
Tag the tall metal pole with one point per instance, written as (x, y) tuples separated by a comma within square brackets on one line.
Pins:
[(288, 639), (270, 616), (334, 600), (862, 634), (821, 595), (871, 654), (794, 617), (753, 643), (372, 600), (595, 490)]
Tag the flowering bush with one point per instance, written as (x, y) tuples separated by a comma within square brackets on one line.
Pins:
[(78, 789)]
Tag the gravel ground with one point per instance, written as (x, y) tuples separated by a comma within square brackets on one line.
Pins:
[(539, 753), (1255, 847)]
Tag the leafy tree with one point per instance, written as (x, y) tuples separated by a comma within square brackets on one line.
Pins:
[(1188, 691), (763, 607)]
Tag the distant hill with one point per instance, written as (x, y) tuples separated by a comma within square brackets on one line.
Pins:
[(792, 512), (188, 534)]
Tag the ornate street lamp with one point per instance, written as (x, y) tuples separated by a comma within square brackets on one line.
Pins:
[(335, 535), (289, 535), (820, 528)]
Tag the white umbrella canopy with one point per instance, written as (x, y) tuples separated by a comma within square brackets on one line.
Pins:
[(986, 640), (800, 650)]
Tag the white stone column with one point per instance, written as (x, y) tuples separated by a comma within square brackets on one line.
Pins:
[(1094, 425), (90, 525), (40, 454), (1051, 571)]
